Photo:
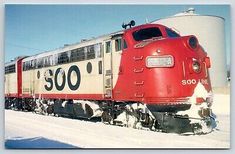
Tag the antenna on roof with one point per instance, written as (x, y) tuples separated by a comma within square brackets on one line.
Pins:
[(146, 20)]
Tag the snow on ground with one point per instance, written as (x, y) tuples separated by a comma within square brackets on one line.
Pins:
[(221, 104), (29, 130)]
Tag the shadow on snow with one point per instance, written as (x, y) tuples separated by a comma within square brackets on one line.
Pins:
[(35, 143)]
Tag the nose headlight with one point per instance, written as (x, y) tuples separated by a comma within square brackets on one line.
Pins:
[(160, 61), (193, 42), (196, 66)]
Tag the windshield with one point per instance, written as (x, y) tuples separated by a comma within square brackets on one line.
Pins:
[(171, 33), (147, 33)]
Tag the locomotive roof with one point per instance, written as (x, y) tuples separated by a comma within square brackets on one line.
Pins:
[(82, 44), (10, 63), (14, 61), (73, 46)]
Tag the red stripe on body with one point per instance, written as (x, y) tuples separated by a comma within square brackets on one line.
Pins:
[(66, 96), (12, 95)]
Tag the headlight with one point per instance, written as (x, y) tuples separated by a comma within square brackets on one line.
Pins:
[(196, 66), (160, 61)]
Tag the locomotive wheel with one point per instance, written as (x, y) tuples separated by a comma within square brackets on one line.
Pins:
[(147, 121), (7, 103), (18, 104), (89, 111), (50, 109), (106, 117)]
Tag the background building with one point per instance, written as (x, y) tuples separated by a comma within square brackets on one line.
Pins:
[(210, 32)]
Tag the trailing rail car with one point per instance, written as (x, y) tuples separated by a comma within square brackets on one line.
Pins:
[(146, 76), (13, 80)]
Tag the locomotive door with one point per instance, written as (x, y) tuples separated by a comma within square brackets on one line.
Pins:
[(32, 76), (32, 79), (108, 74)]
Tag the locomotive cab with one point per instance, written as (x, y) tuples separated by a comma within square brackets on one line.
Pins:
[(170, 66), (166, 72)]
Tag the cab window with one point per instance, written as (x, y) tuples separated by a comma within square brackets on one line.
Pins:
[(118, 44), (171, 33), (147, 33), (124, 44)]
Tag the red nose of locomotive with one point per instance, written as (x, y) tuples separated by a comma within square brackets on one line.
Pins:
[(176, 69), (176, 66), (163, 69)]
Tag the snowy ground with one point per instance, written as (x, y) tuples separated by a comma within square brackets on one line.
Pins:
[(29, 130)]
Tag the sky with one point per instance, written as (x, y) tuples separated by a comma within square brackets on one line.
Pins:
[(31, 29)]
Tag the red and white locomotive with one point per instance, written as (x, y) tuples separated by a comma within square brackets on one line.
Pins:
[(144, 76)]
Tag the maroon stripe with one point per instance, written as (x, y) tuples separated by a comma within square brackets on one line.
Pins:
[(11, 95), (19, 76), (66, 96)]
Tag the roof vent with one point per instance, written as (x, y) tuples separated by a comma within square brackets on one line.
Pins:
[(190, 10)]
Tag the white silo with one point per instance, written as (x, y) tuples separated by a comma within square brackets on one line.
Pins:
[(210, 32)]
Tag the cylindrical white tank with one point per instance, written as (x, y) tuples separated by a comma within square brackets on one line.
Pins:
[(210, 32)]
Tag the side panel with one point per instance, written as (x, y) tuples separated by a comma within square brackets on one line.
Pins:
[(26, 83), (11, 84), (78, 80), (117, 69), (6, 83)]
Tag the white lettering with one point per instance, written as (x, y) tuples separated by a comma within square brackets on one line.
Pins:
[(194, 81)]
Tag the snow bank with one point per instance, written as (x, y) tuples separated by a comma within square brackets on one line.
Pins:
[(84, 134), (221, 104), (71, 133)]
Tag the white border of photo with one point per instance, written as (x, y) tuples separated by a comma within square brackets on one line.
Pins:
[(170, 2)]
